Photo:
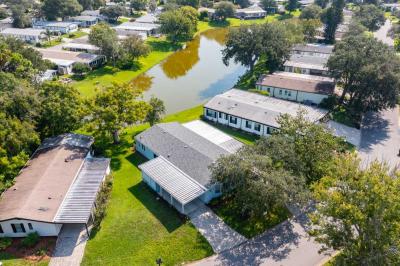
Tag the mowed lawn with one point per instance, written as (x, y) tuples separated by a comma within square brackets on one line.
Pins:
[(138, 229)]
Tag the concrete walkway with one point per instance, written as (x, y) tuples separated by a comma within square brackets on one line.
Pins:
[(220, 236), (286, 244), (70, 246), (382, 33)]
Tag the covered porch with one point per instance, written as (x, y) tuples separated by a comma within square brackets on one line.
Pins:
[(173, 185)]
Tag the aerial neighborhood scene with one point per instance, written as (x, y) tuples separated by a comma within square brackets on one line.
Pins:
[(199, 132)]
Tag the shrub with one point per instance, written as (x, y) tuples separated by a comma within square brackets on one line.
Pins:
[(203, 16), (329, 103), (31, 240), (101, 201), (262, 92), (5, 242)]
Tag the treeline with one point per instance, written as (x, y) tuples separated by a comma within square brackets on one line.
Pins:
[(31, 111)]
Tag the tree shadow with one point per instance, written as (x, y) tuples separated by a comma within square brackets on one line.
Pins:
[(219, 23), (375, 129), (163, 46)]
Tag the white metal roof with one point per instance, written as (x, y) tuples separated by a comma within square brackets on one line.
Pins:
[(78, 203), (173, 180), (71, 45), (214, 135)]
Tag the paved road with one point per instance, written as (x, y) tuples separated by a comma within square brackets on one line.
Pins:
[(220, 236), (70, 246), (380, 137), (381, 34), (287, 244)]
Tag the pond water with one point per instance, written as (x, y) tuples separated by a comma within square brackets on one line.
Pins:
[(192, 75)]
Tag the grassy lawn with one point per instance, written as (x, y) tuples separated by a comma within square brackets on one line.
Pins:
[(249, 227), (137, 228), (57, 41)]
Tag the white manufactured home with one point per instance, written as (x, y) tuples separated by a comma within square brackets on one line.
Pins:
[(253, 112), (28, 35), (58, 186), (307, 64), (311, 49), (308, 89), (179, 158)]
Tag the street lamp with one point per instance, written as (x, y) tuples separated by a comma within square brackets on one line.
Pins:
[(159, 261)]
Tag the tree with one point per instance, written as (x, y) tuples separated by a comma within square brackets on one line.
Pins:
[(310, 28), (302, 147), (192, 3), (134, 47), (276, 45), (177, 26), (370, 16), (91, 4), (191, 13), (53, 9), (311, 12), (355, 28), (113, 12), (369, 73), (139, 4), (242, 3), (80, 68), (292, 5), (270, 6), (256, 185), (224, 10), (3, 13), (357, 213), (332, 18), (157, 109), (114, 108), (105, 37), (21, 19), (61, 109), (244, 45), (152, 5), (321, 3)]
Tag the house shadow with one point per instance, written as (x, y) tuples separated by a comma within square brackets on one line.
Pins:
[(165, 214)]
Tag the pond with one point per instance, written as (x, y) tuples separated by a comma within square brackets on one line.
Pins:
[(192, 75)]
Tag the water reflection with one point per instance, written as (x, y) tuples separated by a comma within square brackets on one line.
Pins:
[(142, 82), (179, 63), (191, 76), (218, 35)]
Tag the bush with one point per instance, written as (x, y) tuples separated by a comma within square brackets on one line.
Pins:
[(101, 201), (31, 240), (329, 103), (5, 242), (262, 92), (203, 16)]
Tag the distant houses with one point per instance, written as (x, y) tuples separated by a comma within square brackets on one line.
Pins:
[(132, 28), (60, 27), (65, 60), (29, 35), (85, 21), (252, 12), (58, 186), (179, 159), (301, 88), (311, 49), (306, 64)]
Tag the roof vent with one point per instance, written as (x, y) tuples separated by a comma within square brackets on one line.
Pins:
[(14, 189), (49, 197), (43, 209), (186, 146), (66, 160), (168, 155)]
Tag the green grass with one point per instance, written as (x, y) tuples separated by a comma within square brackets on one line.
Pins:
[(104, 76), (137, 228), (57, 40), (9, 260), (248, 227)]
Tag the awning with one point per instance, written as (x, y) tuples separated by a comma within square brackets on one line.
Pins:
[(78, 203), (173, 180)]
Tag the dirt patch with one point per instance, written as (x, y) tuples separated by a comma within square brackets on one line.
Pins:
[(40, 252)]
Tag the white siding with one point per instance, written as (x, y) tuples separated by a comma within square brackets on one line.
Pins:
[(313, 97), (43, 229), (145, 151), (293, 95)]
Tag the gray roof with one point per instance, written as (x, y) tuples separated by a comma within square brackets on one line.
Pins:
[(137, 26), (259, 108), (190, 152), (176, 182), (307, 61), (70, 139), (316, 48), (25, 32), (148, 18), (84, 18), (77, 204)]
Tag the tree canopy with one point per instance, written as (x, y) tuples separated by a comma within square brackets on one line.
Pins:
[(224, 10), (357, 213), (105, 37), (270, 6), (113, 12), (370, 16), (368, 71), (178, 24), (311, 12), (332, 17), (53, 9), (139, 4)]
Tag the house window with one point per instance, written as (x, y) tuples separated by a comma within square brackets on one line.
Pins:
[(18, 228), (233, 120), (268, 89), (268, 130), (289, 93), (280, 92), (1, 229), (142, 146), (285, 92), (217, 189), (257, 127), (248, 124), (30, 226)]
